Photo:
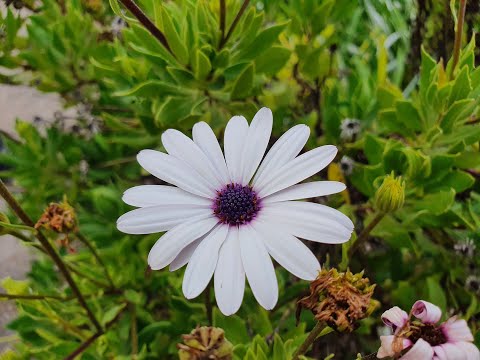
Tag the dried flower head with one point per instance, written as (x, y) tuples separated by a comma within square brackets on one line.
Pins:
[(340, 299), (59, 217), (347, 165), (472, 283), (205, 343), (465, 248), (390, 196)]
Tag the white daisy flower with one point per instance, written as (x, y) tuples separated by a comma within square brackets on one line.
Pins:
[(349, 128), (226, 215)]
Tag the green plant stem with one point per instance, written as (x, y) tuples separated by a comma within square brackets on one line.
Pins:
[(33, 297), (5, 193), (458, 36), (223, 13), (364, 234), (234, 23), (94, 337), (89, 245), (147, 23), (208, 304), (20, 236), (302, 349), (133, 329)]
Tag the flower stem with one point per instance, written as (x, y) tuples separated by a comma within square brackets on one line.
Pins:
[(5, 193), (302, 349), (223, 13), (364, 234), (32, 297), (458, 36), (147, 23), (208, 304), (133, 329), (234, 23), (89, 245)]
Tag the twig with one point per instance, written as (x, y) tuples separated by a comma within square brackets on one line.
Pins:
[(302, 349), (458, 36), (147, 23), (364, 234), (34, 297), (234, 23), (133, 329), (94, 337), (5, 193), (223, 13), (87, 243)]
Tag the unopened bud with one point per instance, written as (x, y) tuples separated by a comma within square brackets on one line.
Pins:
[(390, 196), (205, 343)]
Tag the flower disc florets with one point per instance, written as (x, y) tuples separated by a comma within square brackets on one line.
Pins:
[(236, 204)]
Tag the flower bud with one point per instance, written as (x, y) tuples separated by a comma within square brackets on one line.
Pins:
[(60, 218), (390, 196), (205, 343), (340, 299)]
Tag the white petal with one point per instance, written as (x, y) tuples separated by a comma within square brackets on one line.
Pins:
[(203, 262), (185, 255), (207, 141), (285, 149), (305, 191), (289, 251), (229, 279), (234, 141), (154, 219), (256, 143), (258, 267), (298, 169), (309, 221), (182, 147), (176, 172), (149, 195), (169, 245)]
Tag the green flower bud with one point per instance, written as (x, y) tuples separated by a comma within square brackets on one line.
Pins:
[(4, 230), (390, 196), (205, 343)]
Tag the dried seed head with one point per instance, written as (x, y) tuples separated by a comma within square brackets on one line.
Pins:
[(205, 343), (390, 196), (60, 218), (340, 299)]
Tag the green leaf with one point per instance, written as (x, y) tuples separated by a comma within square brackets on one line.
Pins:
[(234, 326), (272, 60), (201, 65), (457, 114), (151, 89), (437, 203), (262, 42), (174, 40), (435, 293), (278, 348), (110, 314), (174, 110), (244, 84), (461, 87), (408, 115)]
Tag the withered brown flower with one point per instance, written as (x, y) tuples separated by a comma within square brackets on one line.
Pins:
[(339, 299), (205, 343), (59, 217)]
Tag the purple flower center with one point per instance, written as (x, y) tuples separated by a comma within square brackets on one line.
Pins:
[(428, 332), (236, 204)]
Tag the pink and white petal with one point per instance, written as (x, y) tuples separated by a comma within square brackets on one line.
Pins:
[(285, 149), (182, 147), (427, 312), (305, 191), (395, 318), (456, 330), (234, 142), (470, 350), (421, 350), (256, 143), (386, 348), (202, 264), (176, 172), (170, 244), (229, 278), (258, 267), (184, 256), (449, 351), (205, 138), (154, 219), (151, 195), (309, 221), (288, 251), (298, 169)]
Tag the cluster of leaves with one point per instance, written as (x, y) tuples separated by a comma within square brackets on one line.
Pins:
[(312, 62)]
